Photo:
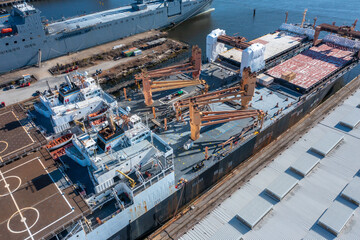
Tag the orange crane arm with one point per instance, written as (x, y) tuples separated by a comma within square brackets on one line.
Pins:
[(343, 31), (193, 66)]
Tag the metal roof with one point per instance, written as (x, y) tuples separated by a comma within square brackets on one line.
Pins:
[(296, 216), (327, 142), (281, 186), (252, 213), (352, 119), (351, 192), (335, 217), (227, 232), (304, 164)]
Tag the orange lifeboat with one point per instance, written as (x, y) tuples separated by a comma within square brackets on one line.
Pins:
[(6, 30), (59, 142), (98, 114)]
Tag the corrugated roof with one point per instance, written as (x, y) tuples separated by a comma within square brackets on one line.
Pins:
[(335, 217), (327, 142), (227, 232), (281, 186), (252, 213), (304, 164), (352, 119), (352, 192), (296, 215)]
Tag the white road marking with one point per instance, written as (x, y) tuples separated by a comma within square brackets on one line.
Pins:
[(23, 219)]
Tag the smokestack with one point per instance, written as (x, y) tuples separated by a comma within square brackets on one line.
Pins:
[(68, 81)]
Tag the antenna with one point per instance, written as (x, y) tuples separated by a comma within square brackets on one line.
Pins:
[(303, 20)]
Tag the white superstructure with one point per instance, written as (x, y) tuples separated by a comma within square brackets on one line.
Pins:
[(78, 98)]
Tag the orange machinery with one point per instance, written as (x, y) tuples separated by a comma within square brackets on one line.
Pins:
[(347, 31), (150, 86), (244, 91), (199, 118)]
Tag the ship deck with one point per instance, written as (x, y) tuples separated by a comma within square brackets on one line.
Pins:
[(273, 100), (38, 200), (17, 135), (313, 65), (275, 44), (93, 19)]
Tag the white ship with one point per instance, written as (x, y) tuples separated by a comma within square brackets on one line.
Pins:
[(131, 169), (75, 100)]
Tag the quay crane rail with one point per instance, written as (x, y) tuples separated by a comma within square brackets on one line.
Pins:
[(193, 66)]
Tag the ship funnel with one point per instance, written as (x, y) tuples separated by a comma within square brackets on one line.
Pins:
[(47, 82), (68, 81)]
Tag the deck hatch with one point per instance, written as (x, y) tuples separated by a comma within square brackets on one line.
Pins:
[(254, 211), (335, 217), (326, 143), (281, 186), (304, 164)]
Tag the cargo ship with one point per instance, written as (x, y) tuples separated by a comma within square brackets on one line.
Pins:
[(27, 39), (207, 119)]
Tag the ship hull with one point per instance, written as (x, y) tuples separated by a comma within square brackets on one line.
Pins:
[(162, 212), (26, 51)]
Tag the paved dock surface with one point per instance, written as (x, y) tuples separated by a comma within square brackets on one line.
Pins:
[(204, 204), (42, 74), (17, 135), (35, 202)]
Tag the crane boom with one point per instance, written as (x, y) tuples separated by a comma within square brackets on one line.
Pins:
[(193, 66), (132, 181)]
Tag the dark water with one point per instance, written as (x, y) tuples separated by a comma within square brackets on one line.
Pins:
[(235, 16)]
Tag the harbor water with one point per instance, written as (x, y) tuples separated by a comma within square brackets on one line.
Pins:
[(235, 16)]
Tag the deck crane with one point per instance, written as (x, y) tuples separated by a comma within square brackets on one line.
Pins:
[(150, 86), (132, 181), (234, 41), (347, 31), (199, 119), (243, 92)]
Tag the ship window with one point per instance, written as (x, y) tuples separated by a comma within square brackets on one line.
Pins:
[(15, 42), (7, 44), (31, 38), (23, 40)]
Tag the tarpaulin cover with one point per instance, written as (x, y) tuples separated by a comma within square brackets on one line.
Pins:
[(213, 48)]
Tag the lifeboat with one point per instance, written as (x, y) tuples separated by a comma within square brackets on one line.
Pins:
[(59, 142), (97, 114), (98, 121), (6, 30)]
